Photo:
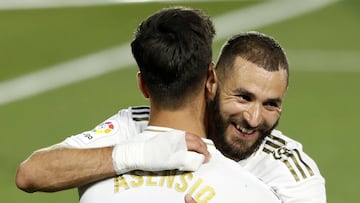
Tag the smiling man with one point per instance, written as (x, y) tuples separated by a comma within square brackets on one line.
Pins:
[(253, 75), (253, 79)]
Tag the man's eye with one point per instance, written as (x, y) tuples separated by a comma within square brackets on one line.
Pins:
[(272, 106), (244, 97)]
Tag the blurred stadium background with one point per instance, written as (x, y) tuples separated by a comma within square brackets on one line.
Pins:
[(66, 66)]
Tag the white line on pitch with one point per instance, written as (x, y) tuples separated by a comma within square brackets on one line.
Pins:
[(120, 57)]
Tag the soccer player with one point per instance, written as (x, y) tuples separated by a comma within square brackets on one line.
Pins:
[(253, 78), (173, 51), (253, 75)]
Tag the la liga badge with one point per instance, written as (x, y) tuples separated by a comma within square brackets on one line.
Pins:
[(104, 128)]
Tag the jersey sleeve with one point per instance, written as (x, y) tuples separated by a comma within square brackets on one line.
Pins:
[(298, 178), (284, 166), (310, 190), (124, 125)]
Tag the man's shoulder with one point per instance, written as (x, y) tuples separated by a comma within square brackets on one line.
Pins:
[(136, 113), (277, 135), (123, 125), (284, 157), (282, 164), (277, 142), (136, 118)]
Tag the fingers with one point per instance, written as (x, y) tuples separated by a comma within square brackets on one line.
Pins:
[(196, 144), (189, 199)]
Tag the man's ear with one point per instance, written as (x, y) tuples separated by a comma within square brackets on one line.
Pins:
[(142, 86), (211, 82)]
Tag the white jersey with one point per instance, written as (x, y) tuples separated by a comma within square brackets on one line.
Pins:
[(282, 164), (124, 125), (218, 181), (280, 161)]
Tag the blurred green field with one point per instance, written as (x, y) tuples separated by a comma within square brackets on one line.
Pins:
[(321, 108)]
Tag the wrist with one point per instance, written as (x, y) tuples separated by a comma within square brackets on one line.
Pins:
[(127, 157)]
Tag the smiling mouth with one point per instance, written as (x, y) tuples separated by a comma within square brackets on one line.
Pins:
[(244, 130)]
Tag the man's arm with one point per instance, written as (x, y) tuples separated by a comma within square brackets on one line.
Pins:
[(59, 167)]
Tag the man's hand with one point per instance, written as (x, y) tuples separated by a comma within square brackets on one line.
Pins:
[(189, 199), (165, 151), (196, 144)]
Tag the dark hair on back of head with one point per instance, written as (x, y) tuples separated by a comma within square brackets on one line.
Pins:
[(173, 49)]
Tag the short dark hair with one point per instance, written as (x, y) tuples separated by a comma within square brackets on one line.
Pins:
[(173, 49), (255, 47)]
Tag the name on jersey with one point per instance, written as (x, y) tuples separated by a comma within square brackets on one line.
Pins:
[(183, 182)]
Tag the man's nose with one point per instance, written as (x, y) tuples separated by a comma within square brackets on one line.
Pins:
[(253, 115)]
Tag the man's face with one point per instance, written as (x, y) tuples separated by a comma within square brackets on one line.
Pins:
[(247, 107)]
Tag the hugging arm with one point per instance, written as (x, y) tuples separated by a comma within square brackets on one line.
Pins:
[(60, 167)]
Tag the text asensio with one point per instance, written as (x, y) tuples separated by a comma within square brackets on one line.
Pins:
[(183, 182)]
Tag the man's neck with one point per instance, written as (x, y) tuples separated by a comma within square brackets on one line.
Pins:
[(188, 119)]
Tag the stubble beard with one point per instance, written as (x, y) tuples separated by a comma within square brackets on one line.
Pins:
[(238, 149)]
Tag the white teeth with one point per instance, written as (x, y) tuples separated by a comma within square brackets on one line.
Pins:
[(244, 130)]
